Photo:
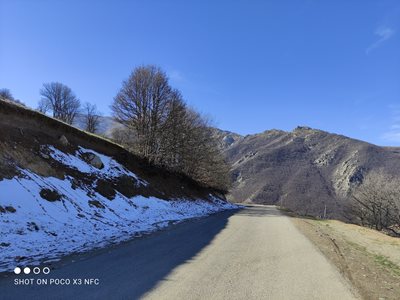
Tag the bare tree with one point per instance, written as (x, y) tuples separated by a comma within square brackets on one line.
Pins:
[(60, 101), (141, 106), (190, 147), (376, 203), (172, 134), (92, 118), (160, 127), (202, 157)]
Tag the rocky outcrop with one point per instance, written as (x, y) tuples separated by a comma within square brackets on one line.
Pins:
[(225, 139)]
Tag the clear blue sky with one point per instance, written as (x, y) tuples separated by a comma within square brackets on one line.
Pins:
[(251, 65)]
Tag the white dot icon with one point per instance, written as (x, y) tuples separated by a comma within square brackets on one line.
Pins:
[(17, 270), (36, 270), (46, 270), (27, 270)]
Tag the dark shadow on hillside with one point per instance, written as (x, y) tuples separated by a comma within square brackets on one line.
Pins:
[(127, 271)]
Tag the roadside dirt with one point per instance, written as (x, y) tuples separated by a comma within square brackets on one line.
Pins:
[(369, 259)]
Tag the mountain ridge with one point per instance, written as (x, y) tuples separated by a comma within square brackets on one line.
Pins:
[(308, 170)]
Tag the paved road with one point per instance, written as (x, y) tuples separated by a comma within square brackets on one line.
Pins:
[(255, 253)]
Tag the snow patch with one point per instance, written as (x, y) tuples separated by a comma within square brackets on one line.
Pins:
[(40, 229), (112, 168)]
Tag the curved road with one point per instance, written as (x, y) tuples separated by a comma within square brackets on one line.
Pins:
[(254, 253)]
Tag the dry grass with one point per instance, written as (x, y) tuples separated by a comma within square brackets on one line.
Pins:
[(368, 258), (374, 241)]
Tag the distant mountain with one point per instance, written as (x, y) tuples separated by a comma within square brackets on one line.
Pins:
[(305, 170), (225, 139)]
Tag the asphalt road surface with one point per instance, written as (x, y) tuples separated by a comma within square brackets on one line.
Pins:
[(254, 253)]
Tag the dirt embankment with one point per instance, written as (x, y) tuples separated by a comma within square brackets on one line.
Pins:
[(368, 258), (24, 133)]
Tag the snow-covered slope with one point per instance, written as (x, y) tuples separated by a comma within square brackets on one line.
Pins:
[(58, 197)]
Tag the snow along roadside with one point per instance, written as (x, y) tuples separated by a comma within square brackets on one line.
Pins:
[(33, 229), (40, 230)]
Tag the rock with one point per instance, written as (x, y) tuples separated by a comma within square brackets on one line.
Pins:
[(105, 189), (75, 183), (96, 203), (93, 160), (32, 226), (357, 177), (10, 209), (63, 140), (303, 128), (228, 140), (50, 195), (127, 186)]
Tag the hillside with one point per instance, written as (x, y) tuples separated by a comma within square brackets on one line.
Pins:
[(226, 139), (304, 170), (63, 190)]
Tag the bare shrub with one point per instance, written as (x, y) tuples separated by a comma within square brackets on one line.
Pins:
[(376, 203), (6, 95)]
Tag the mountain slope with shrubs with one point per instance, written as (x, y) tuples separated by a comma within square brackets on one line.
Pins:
[(317, 173)]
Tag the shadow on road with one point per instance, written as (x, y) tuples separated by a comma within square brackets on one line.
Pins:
[(129, 270)]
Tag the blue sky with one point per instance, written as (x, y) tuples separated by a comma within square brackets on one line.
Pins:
[(250, 65)]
